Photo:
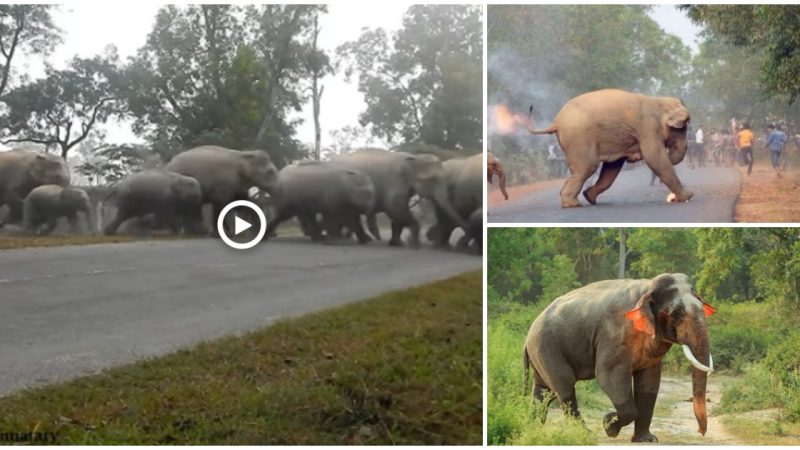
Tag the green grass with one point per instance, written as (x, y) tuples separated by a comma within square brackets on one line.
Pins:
[(17, 242), (402, 368)]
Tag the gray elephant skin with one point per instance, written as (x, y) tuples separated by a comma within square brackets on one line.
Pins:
[(611, 126), (45, 204), (170, 197), (617, 331), (397, 176), (464, 178), (340, 195), (21, 172), (226, 175)]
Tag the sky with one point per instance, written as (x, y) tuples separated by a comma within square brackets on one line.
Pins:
[(89, 27)]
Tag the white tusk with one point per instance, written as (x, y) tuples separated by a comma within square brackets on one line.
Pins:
[(697, 364)]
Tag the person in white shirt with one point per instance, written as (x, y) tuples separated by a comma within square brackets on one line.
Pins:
[(701, 149)]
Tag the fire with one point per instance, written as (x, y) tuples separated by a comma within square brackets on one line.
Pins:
[(503, 121)]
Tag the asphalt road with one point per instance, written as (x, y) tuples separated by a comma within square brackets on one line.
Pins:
[(70, 311), (631, 199)]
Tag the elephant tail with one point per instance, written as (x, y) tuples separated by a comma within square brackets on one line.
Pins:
[(549, 130), (526, 364)]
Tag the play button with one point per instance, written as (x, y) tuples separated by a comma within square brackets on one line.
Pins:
[(240, 225)]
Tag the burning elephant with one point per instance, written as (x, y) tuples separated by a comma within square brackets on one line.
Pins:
[(611, 126), (617, 331)]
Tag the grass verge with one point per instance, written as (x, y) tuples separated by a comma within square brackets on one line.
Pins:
[(767, 198), (17, 242), (402, 368)]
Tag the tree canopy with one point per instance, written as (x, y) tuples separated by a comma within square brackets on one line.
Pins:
[(421, 83)]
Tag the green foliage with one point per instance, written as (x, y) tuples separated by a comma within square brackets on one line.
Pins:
[(250, 68), (558, 278), (512, 418), (64, 108), (662, 250), (24, 29), (771, 31), (420, 84)]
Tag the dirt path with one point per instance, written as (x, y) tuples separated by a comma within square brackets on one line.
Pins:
[(674, 422), (767, 198)]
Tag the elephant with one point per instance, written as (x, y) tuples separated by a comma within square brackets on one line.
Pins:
[(465, 191), (494, 167), (397, 176), (174, 199), (617, 331), (45, 204), (21, 172), (226, 175), (611, 126), (311, 187)]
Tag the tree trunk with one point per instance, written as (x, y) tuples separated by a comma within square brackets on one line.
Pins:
[(316, 94), (623, 252)]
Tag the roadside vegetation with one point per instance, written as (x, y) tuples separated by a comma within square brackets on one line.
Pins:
[(401, 368), (749, 275)]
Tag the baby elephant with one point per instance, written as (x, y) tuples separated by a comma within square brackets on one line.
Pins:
[(46, 204), (174, 199)]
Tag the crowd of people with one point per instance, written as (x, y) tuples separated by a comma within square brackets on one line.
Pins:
[(726, 147)]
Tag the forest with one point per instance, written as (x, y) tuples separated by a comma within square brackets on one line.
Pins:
[(749, 275), (745, 67), (236, 76)]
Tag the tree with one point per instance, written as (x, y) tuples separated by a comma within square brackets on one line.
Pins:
[(65, 107), (222, 74), (772, 31), (24, 28), (104, 163), (318, 66), (421, 83)]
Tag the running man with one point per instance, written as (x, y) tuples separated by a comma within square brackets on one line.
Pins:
[(744, 140), (776, 140)]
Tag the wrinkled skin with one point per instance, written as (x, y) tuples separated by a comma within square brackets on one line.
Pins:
[(226, 175), (465, 191), (46, 204), (595, 332), (494, 167), (341, 195), (397, 176), (610, 127), (172, 198), (21, 172)]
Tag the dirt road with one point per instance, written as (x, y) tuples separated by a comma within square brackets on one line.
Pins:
[(631, 199)]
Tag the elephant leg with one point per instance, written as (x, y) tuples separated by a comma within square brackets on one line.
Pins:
[(573, 184), (560, 378), (660, 164), (397, 230), (608, 173), (354, 224), (372, 226), (645, 391), (48, 227), (112, 226), (616, 383), (542, 394), (74, 223)]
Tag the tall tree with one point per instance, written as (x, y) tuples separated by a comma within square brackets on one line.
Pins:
[(66, 106), (222, 74), (421, 84), (772, 31), (24, 28)]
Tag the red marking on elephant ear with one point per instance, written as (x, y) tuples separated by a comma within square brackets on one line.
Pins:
[(708, 309), (640, 322)]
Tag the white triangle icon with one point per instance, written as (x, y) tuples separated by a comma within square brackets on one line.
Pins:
[(240, 225)]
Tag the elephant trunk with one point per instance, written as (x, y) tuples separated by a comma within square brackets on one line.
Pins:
[(442, 202), (699, 348), (502, 176)]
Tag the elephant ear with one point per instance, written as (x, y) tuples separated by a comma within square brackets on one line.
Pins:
[(707, 309), (677, 118), (641, 317)]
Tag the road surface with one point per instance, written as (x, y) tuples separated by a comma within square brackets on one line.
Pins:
[(70, 311), (631, 199)]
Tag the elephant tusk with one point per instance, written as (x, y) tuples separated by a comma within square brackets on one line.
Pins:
[(697, 364)]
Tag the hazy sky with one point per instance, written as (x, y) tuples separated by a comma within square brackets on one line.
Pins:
[(89, 28)]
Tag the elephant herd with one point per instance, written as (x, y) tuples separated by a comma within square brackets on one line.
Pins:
[(328, 198)]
